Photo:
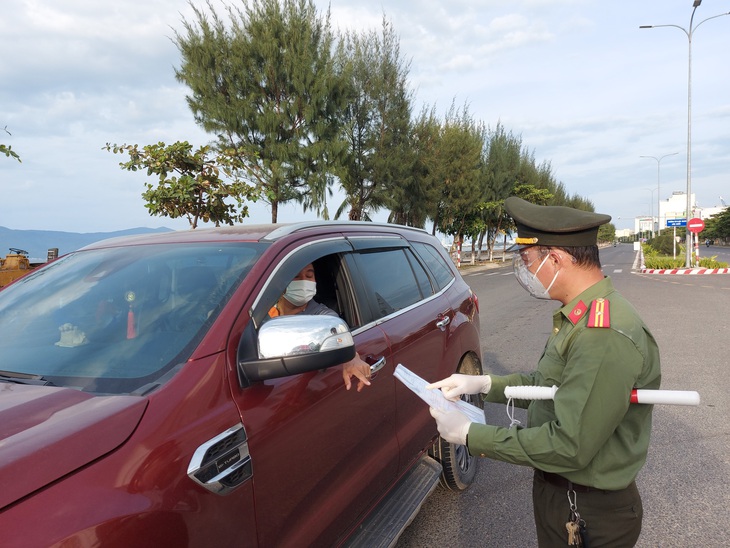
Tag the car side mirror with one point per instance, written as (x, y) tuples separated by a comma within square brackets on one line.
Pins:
[(290, 345)]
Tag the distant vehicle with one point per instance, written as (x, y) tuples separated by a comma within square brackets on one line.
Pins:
[(15, 265), (148, 399)]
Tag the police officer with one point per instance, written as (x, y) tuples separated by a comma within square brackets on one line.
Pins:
[(587, 444)]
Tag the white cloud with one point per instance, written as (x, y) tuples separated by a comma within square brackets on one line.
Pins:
[(585, 88)]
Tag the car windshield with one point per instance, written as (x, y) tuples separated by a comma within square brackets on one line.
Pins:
[(115, 320)]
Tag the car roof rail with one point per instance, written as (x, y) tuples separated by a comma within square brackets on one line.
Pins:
[(286, 229)]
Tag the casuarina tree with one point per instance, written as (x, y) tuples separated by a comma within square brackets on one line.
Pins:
[(263, 79), (377, 121)]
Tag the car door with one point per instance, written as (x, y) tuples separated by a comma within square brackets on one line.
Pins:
[(415, 318), (321, 455)]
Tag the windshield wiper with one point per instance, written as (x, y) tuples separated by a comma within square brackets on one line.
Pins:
[(24, 378)]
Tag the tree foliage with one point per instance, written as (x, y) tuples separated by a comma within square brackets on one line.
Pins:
[(717, 227), (663, 243), (7, 149), (510, 170), (295, 109), (9, 152), (454, 168), (189, 182), (607, 233), (413, 198), (503, 156), (377, 121), (265, 84)]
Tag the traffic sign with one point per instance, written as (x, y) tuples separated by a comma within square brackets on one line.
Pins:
[(696, 225), (677, 222)]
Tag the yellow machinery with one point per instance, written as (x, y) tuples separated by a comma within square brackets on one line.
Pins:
[(13, 266)]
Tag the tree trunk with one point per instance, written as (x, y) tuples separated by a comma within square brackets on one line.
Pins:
[(481, 242), (355, 214)]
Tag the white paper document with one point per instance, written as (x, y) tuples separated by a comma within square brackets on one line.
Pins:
[(434, 398)]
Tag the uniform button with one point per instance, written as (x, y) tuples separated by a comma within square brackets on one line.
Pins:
[(555, 330)]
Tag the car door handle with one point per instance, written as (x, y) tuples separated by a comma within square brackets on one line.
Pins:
[(377, 366), (443, 322)]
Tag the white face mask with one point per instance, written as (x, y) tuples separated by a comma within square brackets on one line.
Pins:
[(529, 281), (300, 292)]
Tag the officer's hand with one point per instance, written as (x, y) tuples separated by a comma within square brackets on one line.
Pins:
[(456, 385), (453, 426)]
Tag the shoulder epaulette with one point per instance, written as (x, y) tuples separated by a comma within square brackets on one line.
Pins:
[(599, 315)]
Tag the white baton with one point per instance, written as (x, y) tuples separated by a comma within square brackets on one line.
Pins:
[(671, 397)]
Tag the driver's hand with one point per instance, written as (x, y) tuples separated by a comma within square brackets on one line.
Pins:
[(356, 367)]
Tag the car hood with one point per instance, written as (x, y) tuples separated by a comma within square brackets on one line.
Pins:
[(48, 432)]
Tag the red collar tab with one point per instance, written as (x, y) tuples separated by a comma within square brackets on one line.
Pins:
[(599, 315), (579, 310)]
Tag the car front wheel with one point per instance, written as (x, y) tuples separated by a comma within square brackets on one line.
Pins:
[(459, 467)]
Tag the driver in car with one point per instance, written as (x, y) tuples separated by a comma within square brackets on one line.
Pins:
[(299, 299)]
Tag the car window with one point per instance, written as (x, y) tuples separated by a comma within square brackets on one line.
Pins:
[(390, 281), (285, 270), (424, 283), (333, 288), (112, 320), (435, 262)]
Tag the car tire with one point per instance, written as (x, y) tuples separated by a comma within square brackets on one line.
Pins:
[(459, 467)]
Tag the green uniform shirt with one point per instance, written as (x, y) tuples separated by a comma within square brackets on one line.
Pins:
[(589, 433)]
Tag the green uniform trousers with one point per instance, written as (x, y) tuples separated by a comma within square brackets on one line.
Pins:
[(612, 518)]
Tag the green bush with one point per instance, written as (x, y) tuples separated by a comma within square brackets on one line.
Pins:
[(663, 244), (654, 260), (660, 262), (648, 251), (711, 262)]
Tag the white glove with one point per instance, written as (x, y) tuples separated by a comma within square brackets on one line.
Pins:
[(456, 385), (453, 426)]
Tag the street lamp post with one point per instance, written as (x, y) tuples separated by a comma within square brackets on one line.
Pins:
[(651, 209), (689, 33), (658, 192)]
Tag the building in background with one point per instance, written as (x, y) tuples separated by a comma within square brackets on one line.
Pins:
[(624, 234), (707, 212), (644, 226), (675, 207)]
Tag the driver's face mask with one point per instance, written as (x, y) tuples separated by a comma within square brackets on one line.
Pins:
[(528, 280), (300, 292)]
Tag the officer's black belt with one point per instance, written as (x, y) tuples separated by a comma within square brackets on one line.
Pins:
[(560, 481)]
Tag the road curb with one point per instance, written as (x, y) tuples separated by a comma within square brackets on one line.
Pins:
[(689, 271)]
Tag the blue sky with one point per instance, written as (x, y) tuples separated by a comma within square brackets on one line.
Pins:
[(580, 83)]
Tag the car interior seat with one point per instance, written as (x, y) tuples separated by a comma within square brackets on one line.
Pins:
[(194, 289), (325, 271), (194, 280)]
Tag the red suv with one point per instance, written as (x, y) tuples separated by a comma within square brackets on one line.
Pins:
[(146, 398)]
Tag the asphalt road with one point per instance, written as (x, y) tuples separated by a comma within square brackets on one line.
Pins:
[(684, 483)]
